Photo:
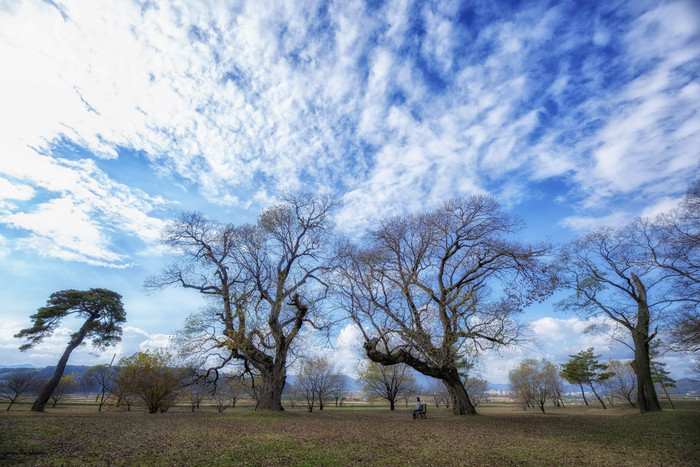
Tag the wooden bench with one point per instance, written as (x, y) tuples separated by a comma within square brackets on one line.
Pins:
[(423, 409)]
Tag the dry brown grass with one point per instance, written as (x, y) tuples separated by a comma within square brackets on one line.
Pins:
[(340, 436)]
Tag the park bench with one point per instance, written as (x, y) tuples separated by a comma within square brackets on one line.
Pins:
[(423, 409)]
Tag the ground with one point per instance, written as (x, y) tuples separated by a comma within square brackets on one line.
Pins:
[(499, 435)]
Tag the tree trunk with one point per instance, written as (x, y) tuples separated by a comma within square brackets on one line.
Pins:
[(272, 386), (45, 394), (646, 394), (583, 394), (667, 396), (461, 404), (598, 397)]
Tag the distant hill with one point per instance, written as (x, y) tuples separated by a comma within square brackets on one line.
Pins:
[(45, 372), (687, 386)]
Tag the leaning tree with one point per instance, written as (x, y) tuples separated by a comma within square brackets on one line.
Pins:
[(103, 312), (264, 281), (427, 289)]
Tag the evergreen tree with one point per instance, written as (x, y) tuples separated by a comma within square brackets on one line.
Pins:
[(584, 368)]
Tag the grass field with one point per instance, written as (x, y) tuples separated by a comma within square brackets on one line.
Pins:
[(505, 435)]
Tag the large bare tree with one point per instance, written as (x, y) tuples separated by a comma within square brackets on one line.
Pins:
[(429, 288), (607, 276), (264, 281), (671, 242)]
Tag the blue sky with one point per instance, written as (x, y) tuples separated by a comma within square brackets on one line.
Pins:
[(116, 116)]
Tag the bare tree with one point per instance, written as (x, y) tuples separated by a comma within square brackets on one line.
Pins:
[(105, 378), (440, 394), (65, 385), (426, 288), (671, 241), (532, 382), (197, 388), (339, 388), (227, 391), (264, 281), (608, 275), (476, 388), (387, 382), (623, 382), (410, 393), (19, 382)]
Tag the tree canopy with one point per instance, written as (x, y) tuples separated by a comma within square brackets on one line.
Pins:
[(427, 288), (264, 280), (103, 312)]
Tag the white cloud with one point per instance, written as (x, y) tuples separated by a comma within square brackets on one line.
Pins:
[(236, 99), (348, 349), (555, 340), (51, 348)]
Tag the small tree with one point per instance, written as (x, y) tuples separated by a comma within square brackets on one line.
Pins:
[(339, 388), (410, 393), (387, 382), (318, 374), (196, 389), (152, 377), (103, 312), (660, 376), (439, 393), (532, 382), (476, 388), (18, 383), (102, 376), (65, 385), (227, 392), (584, 368), (623, 382)]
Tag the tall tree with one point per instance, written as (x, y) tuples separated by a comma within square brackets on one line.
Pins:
[(318, 375), (584, 368), (427, 288), (671, 242), (265, 281), (387, 382), (608, 275), (103, 312)]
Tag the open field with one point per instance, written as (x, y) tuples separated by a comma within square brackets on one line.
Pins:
[(500, 435)]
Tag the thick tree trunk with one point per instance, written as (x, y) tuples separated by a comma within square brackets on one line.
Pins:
[(647, 399), (646, 394), (45, 394), (272, 386), (461, 404)]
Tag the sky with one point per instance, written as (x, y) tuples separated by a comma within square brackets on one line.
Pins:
[(117, 116)]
